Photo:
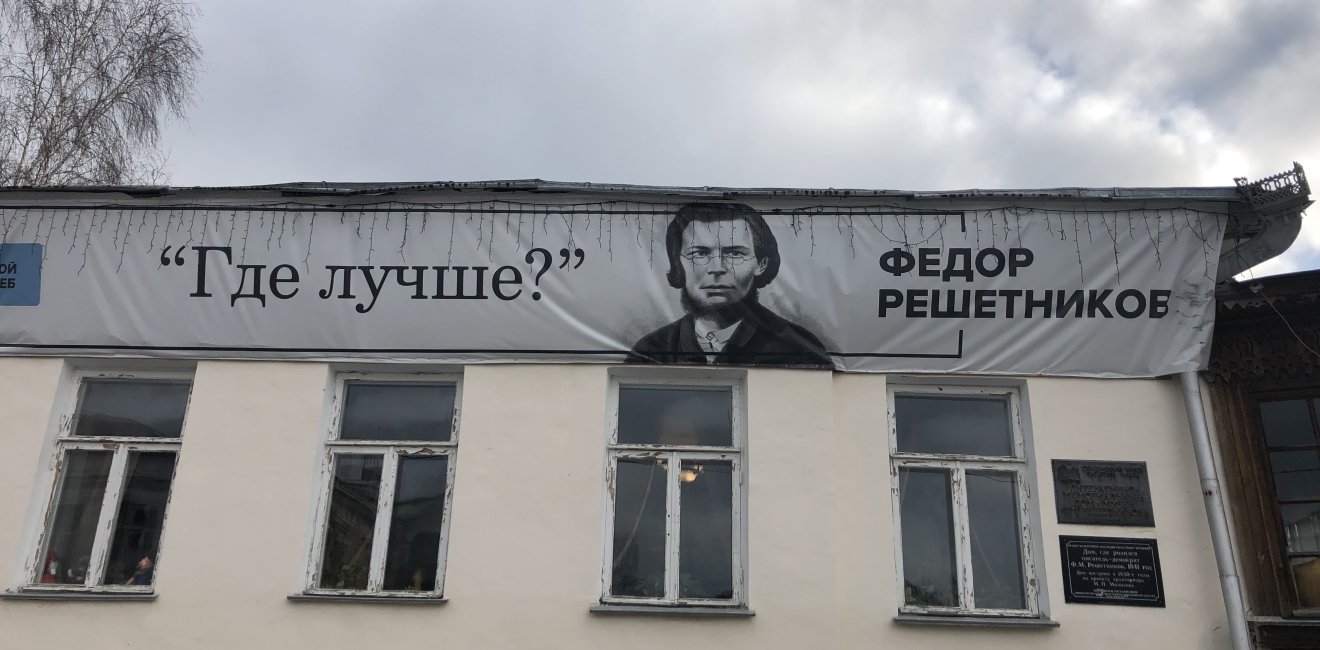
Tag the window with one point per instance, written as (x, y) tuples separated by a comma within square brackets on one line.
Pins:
[(1292, 440), (960, 473), (383, 527), (115, 459), (674, 530)]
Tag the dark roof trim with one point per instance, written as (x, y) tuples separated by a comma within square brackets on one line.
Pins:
[(555, 187), (1301, 284), (1265, 215)]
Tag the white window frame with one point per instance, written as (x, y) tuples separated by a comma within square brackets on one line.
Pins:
[(391, 451), (674, 455), (1019, 464), (110, 501)]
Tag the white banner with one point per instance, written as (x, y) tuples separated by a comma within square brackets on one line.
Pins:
[(857, 288)]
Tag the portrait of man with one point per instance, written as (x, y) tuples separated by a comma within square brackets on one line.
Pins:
[(720, 255)]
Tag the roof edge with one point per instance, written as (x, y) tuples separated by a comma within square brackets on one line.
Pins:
[(1278, 202), (542, 186)]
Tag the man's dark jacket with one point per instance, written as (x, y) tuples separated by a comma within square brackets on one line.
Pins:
[(762, 339)]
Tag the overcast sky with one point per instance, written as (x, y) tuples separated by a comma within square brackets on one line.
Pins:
[(900, 94)]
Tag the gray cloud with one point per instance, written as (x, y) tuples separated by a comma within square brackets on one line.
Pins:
[(903, 95)]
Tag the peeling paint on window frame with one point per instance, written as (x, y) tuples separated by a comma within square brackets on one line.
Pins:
[(957, 465), (391, 451), (674, 456), (120, 447)]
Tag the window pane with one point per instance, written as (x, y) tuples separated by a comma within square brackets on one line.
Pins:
[(705, 545), (1306, 575), (676, 416), (1287, 423), (926, 516), (639, 528), (419, 509), (77, 508), (1301, 527), (141, 514), (992, 516), (1296, 474), (352, 522), (946, 424), (378, 411), (136, 408)]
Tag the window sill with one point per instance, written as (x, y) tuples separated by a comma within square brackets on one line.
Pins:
[(86, 595), (690, 611), (374, 599), (976, 621)]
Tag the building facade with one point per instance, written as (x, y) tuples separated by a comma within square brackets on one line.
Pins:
[(1265, 384), (515, 415)]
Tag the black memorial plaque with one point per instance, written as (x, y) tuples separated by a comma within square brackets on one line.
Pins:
[(1111, 571), (1102, 493)]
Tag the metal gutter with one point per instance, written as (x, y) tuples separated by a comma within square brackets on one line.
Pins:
[(1276, 235), (1229, 582), (1277, 202)]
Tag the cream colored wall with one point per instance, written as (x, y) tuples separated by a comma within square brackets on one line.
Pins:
[(525, 539)]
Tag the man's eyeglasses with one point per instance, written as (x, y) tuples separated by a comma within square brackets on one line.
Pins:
[(703, 257)]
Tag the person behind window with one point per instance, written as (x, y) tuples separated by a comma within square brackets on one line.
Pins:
[(142, 572), (720, 254)]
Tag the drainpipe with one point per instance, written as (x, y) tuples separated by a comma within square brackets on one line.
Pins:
[(1214, 510)]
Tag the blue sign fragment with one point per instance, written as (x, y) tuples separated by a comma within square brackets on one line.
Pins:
[(20, 275)]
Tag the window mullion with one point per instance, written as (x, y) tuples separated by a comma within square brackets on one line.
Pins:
[(384, 513), (961, 538), (135, 444), (672, 507), (708, 450), (106, 521)]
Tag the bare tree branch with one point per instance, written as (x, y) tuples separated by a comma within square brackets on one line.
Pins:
[(85, 86)]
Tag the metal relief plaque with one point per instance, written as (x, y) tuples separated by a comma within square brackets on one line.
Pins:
[(1111, 571), (1102, 493)]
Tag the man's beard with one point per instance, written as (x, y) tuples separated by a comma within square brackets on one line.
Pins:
[(724, 313)]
